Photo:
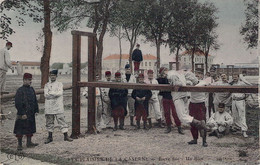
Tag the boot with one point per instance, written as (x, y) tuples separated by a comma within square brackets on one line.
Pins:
[(194, 141), (132, 121), (204, 143), (169, 129), (149, 123), (199, 124), (160, 123), (245, 134), (49, 139), (115, 127), (67, 138), (29, 143), (180, 130), (138, 124), (145, 125), (20, 144), (121, 124)]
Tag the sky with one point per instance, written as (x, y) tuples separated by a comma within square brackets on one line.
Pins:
[(232, 49)]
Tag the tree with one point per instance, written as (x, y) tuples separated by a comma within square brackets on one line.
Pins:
[(179, 25), (156, 15), (249, 30), (209, 37), (34, 9), (71, 14), (127, 16)]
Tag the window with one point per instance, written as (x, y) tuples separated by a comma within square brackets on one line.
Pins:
[(38, 67), (142, 64), (145, 63), (184, 59), (150, 64), (32, 67), (26, 67)]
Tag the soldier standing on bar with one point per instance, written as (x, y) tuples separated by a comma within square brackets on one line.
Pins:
[(27, 106), (54, 108), (118, 98), (129, 78), (167, 102), (239, 107), (142, 98), (137, 57), (154, 102)]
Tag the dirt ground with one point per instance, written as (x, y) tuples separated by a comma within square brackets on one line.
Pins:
[(131, 146)]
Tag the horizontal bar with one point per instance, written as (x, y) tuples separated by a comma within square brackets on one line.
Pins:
[(37, 91), (231, 89), (76, 32)]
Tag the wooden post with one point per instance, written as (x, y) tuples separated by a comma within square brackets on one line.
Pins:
[(91, 90), (76, 50)]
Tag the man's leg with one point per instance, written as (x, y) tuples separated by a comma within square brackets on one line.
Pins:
[(20, 143), (180, 109), (50, 127), (29, 143), (2, 80), (175, 117), (235, 116), (157, 111), (167, 114), (241, 106), (131, 109), (63, 126)]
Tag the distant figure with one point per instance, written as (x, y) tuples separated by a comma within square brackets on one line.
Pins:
[(118, 98), (54, 108), (27, 106), (220, 122), (137, 57), (5, 63), (142, 98)]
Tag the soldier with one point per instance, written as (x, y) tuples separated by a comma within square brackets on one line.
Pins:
[(239, 107), (106, 113), (168, 103), (197, 107), (118, 98), (154, 102), (129, 78), (142, 98), (5, 63), (137, 57), (54, 108), (220, 122), (27, 107), (222, 97)]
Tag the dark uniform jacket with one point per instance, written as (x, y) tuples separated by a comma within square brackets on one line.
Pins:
[(118, 97), (26, 104), (137, 55), (142, 93), (164, 94)]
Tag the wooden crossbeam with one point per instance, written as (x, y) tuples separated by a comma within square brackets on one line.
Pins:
[(231, 89)]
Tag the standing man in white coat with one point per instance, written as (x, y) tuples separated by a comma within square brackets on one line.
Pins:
[(239, 107), (154, 102), (53, 92), (5, 63), (130, 78)]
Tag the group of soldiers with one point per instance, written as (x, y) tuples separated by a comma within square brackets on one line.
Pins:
[(186, 108)]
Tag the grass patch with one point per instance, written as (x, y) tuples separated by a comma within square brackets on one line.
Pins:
[(41, 157)]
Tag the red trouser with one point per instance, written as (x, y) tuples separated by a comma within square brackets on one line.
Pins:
[(140, 112), (118, 112), (136, 65), (198, 111), (168, 105)]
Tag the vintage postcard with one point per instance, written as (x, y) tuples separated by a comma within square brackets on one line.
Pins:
[(143, 82)]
